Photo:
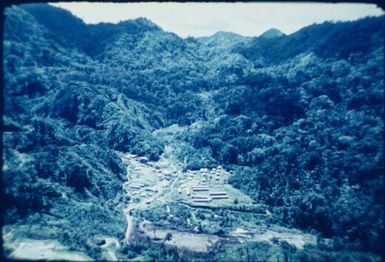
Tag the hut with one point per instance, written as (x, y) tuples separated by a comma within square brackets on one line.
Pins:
[(222, 193), (219, 197), (199, 196), (200, 188), (206, 200)]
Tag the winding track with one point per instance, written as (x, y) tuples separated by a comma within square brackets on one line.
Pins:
[(132, 206)]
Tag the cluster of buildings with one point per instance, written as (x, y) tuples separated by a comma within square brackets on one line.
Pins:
[(201, 186), (142, 185), (200, 182), (214, 175), (139, 189), (166, 175), (202, 194)]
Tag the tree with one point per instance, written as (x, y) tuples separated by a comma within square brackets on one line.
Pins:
[(168, 237), (229, 154)]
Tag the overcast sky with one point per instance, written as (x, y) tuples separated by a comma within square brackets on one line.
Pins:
[(204, 19)]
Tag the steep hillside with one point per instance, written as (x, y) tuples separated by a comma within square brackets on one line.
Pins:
[(71, 32), (298, 118), (61, 130), (326, 40)]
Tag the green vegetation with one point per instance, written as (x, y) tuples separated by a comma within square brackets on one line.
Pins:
[(298, 118)]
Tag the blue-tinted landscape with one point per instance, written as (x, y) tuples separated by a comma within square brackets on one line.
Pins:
[(127, 142)]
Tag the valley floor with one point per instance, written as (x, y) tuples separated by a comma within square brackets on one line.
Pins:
[(157, 185), (160, 208)]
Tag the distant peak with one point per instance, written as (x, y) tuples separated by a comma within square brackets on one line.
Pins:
[(141, 21), (224, 33), (272, 33), (144, 20), (221, 35)]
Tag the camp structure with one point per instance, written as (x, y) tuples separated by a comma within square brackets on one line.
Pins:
[(202, 200), (199, 196), (219, 195), (136, 186), (199, 187)]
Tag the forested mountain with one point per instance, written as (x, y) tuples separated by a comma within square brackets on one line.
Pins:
[(298, 118)]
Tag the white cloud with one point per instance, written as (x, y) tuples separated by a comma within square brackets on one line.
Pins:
[(203, 19)]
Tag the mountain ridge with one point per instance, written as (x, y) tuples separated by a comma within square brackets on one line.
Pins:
[(297, 119)]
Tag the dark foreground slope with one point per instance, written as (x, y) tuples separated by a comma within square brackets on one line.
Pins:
[(61, 130), (299, 118)]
